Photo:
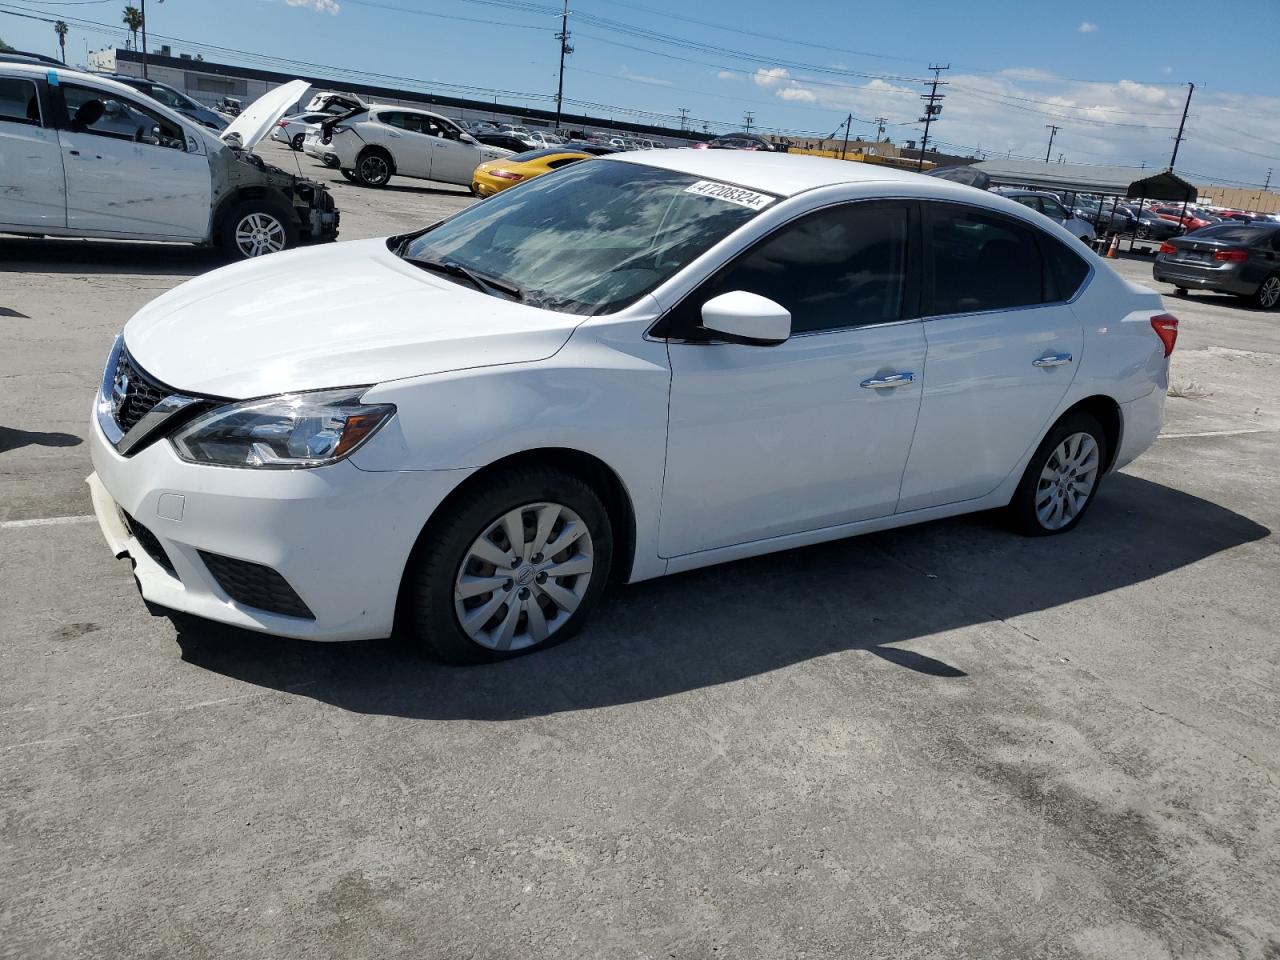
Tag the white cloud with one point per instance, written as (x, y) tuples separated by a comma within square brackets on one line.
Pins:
[(729, 75), (644, 78), (772, 78), (320, 6), (798, 94), (1087, 27)]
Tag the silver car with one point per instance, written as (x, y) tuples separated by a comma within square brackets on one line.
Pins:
[(1051, 207)]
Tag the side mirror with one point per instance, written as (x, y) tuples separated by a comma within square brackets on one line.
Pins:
[(468, 138), (747, 318)]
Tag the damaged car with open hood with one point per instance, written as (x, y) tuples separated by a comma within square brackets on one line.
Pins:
[(85, 156)]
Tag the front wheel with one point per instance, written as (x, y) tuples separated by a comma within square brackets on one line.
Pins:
[(1061, 480), (255, 228), (516, 565), (1268, 295)]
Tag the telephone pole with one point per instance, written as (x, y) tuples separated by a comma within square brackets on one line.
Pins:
[(684, 118), (1191, 88), (565, 50), (932, 107), (1053, 132), (880, 122), (844, 151), (747, 120)]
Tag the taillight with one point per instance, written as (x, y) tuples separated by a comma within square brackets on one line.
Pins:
[(1231, 256), (282, 123), (1166, 327), (1168, 248), (506, 175)]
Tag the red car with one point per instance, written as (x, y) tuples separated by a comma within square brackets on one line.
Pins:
[(1189, 222)]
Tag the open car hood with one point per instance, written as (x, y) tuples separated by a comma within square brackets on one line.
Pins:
[(256, 120)]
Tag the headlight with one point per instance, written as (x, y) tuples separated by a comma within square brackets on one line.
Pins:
[(283, 433)]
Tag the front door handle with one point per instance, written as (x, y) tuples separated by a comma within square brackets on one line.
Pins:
[(1053, 360), (889, 380)]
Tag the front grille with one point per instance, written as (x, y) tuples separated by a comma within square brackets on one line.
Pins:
[(134, 392), (148, 541), (255, 585)]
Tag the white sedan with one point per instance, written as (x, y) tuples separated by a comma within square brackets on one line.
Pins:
[(633, 366)]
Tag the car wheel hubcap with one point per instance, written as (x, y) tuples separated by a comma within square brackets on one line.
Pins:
[(1270, 291), (258, 234), (524, 576), (374, 169), (1067, 481)]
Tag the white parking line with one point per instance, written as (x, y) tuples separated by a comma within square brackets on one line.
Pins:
[(44, 522), (1215, 433)]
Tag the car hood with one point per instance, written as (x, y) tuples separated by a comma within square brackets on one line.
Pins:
[(257, 119), (345, 314)]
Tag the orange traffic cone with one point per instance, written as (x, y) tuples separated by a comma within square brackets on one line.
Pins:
[(1113, 251)]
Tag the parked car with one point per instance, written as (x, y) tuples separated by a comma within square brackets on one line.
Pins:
[(503, 141), (1188, 221), (127, 167), (1049, 205), (1152, 227), (293, 130), (335, 103), (315, 146), (595, 149), (494, 176), (229, 107), (636, 366), (741, 141), (376, 144), (1238, 258), (175, 100), (1107, 219)]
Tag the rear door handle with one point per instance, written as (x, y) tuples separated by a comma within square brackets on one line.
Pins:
[(1053, 360), (889, 380)]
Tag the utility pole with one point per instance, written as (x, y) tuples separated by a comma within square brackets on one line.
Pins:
[(844, 151), (144, 38), (565, 50), (684, 118), (932, 107), (747, 120), (880, 122), (1053, 132), (1178, 139)]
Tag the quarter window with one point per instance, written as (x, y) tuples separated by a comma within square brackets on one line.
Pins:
[(980, 261), (1067, 268), (840, 267), (1052, 208), (18, 101)]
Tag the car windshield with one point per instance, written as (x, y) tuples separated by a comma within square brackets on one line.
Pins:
[(592, 237), (170, 98)]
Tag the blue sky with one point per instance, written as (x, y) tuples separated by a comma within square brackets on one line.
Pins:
[(1111, 75)]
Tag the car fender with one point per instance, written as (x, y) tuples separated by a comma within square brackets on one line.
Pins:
[(604, 394)]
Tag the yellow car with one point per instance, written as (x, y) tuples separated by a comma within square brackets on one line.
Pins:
[(496, 175)]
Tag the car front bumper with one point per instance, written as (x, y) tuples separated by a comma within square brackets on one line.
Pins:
[(338, 536)]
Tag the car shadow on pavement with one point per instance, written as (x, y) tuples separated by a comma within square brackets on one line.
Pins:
[(12, 438), (26, 255), (725, 623)]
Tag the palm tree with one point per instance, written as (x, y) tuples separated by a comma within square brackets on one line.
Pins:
[(61, 29), (133, 20)]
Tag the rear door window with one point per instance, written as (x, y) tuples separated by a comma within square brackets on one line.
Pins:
[(980, 261), (18, 101)]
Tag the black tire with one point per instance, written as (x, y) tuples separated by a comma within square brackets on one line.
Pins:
[(329, 160), (428, 614), (374, 168), (1022, 508), (1267, 296), (296, 142), (1179, 291), (349, 174), (262, 207)]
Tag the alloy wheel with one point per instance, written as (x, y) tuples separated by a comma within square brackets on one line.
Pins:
[(374, 169), (258, 234), (522, 579), (1269, 294), (1067, 481)]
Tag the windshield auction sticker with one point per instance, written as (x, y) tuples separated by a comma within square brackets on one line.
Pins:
[(723, 191)]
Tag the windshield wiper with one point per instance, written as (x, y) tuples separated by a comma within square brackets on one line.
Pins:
[(482, 283)]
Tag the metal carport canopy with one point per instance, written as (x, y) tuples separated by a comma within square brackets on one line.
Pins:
[(1088, 178)]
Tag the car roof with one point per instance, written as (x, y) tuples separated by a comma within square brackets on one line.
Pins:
[(783, 174), (40, 71)]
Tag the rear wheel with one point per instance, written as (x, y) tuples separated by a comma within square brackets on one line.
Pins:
[(1268, 295), (296, 142), (373, 168), (515, 566), (1180, 291), (1061, 480)]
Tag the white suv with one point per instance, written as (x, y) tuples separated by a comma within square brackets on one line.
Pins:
[(374, 144)]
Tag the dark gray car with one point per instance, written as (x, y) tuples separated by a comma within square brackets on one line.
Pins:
[(175, 100), (1238, 258)]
